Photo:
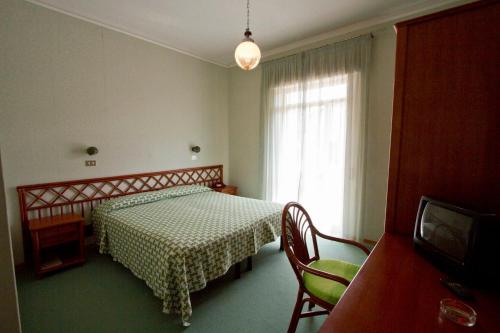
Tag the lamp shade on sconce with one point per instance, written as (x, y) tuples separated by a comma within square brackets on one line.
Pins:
[(92, 151)]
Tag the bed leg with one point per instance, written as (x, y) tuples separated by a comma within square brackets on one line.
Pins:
[(281, 244), (237, 271), (249, 263)]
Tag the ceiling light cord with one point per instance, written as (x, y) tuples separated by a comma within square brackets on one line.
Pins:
[(248, 15)]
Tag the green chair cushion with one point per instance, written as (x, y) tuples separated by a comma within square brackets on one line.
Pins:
[(325, 289)]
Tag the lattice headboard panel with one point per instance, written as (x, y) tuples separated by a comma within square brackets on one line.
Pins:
[(81, 196)]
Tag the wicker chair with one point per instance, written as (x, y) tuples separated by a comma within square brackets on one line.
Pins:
[(322, 280)]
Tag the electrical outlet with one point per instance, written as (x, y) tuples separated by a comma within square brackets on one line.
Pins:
[(90, 163), (194, 157)]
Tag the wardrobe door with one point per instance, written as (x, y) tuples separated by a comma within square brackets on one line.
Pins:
[(446, 127)]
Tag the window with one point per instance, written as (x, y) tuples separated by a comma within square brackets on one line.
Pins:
[(311, 152), (313, 132)]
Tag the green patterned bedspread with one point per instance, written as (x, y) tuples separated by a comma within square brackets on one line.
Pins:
[(178, 239)]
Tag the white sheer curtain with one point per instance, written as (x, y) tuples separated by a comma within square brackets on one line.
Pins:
[(313, 113)]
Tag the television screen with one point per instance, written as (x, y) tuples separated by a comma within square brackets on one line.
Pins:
[(446, 230)]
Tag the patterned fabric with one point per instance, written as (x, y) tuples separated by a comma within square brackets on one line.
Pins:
[(178, 242), (142, 198)]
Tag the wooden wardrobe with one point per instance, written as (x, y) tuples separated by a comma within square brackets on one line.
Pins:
[(446, 120)]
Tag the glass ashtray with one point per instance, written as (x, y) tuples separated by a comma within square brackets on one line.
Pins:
[(457, 312)]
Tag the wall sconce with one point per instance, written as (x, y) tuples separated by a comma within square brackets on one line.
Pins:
[(92, 151), (195, 150)]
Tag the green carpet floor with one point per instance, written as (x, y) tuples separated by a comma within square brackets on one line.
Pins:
[(103, 296)]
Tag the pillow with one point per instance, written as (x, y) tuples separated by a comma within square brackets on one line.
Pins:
[(179, 191), (147, 197)]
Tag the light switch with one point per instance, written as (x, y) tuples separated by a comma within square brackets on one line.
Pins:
[(194, 157)]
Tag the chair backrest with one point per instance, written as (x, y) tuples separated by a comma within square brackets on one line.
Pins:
[(296, 231)]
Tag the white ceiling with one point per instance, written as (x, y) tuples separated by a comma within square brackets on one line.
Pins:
[(211, 29)]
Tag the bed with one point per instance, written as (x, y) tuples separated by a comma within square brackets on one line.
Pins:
[(179, 238), (167, 227)]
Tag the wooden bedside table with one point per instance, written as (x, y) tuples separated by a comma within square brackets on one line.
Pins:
[(228, 189), (58, 242)]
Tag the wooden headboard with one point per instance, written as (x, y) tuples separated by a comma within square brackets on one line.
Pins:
[(81, 196)]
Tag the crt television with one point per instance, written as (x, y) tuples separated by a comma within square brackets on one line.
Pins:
[(458, 240)]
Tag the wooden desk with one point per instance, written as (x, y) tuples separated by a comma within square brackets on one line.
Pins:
[(397, 290)]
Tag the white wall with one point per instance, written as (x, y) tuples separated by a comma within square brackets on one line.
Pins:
[(244, 131), (378, 139), (9, 309), (67, 84)]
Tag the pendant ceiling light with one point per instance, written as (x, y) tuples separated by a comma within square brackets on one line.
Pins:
[(247, 53)]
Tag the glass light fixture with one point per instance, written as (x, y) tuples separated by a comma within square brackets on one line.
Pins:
[(247, 53)]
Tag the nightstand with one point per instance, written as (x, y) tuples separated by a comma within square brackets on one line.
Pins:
[(58, 242), (228, 189)]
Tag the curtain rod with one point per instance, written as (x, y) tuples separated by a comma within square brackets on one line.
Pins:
[(322, 46)]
